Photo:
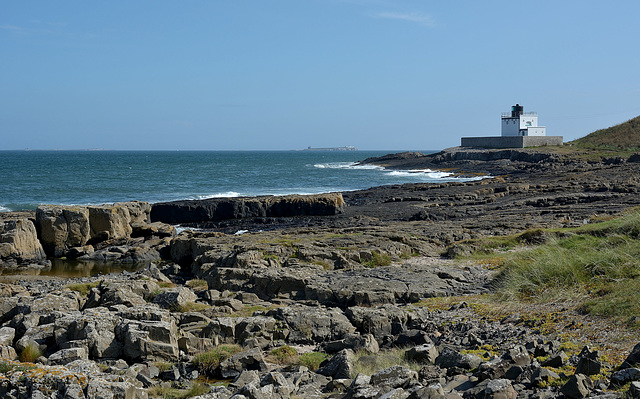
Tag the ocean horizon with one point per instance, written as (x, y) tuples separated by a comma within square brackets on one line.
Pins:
[(88, 177)]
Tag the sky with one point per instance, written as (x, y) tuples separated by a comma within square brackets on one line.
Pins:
[(288, 74)]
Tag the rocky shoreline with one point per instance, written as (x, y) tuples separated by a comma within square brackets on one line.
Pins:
[(341, 275)]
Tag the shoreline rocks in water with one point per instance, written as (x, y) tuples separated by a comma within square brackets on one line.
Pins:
[(349, 286)]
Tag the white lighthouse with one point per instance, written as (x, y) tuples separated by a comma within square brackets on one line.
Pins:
[(520, 123)]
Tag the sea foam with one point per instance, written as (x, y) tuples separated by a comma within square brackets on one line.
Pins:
[(346, 165), (226, 194)]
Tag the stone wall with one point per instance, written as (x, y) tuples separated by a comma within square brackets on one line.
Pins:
[(510, 141)]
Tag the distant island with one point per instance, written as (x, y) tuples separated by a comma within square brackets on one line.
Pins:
[(345, 148)]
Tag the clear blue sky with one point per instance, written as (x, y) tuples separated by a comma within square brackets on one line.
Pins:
[(287, 74)]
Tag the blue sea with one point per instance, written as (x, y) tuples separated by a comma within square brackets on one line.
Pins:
[(32, 178)]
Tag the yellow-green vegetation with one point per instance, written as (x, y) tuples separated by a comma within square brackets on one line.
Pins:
[(284, 355), (598, 262), (312, 360), (83, 288), (553, 277), (165, 284), (197, 284), (485, 352), (409, 255), (367, 363), (168, 392), (623, 136), (151, 296), (288, 356), (190, 307), (208, 362), (10, 366), (377, 259), (30, 353), (163, 366)]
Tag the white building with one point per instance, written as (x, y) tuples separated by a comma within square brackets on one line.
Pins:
[(520, 123)]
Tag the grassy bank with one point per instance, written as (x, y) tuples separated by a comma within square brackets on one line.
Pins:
[(595, 267)]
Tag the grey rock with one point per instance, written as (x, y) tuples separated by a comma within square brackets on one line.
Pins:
[(316, 324), (244, 378), (148, 340), (7, 353), (579, 386), (62, 227), (19, 242), (426, 353), (634, 390), (500, 389), (175, 297), (395, 377), (65, 356), (239, 362), (557, 360), (339, 366), (623, 376), (451, 358), (7, 334), (518, 355), (355, 341), (542, 376), (116, 295)]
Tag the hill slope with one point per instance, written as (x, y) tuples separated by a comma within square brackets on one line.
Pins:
[(623, 136)]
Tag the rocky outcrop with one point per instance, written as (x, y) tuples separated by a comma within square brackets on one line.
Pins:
[(70, 230), (216, 209), (19, 242)]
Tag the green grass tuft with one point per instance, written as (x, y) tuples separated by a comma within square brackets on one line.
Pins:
[(377, 259), (30, 353), (197, 284), (208, 362), (83, 288), (312, 360)]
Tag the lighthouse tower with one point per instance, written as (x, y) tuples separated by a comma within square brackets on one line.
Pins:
[(520, 123)]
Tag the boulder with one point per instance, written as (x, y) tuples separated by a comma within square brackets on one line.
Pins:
[(109, 222), (623, 376), (634, 390), (426, 353), (19, 242), (355, 341), (173, 298), (94, 327), (395, 377), (579, 386), (452, 358), (148, 340), (313, 324), (62, 227), (239, 362), (7, 334), (500, 389), (117, 295), (8, 353), (339, 366), (64, 356), (588, 363)]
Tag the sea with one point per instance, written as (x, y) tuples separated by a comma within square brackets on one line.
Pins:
[(31, 178)]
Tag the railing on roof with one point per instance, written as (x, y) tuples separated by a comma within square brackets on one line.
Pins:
[(508, 114)]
